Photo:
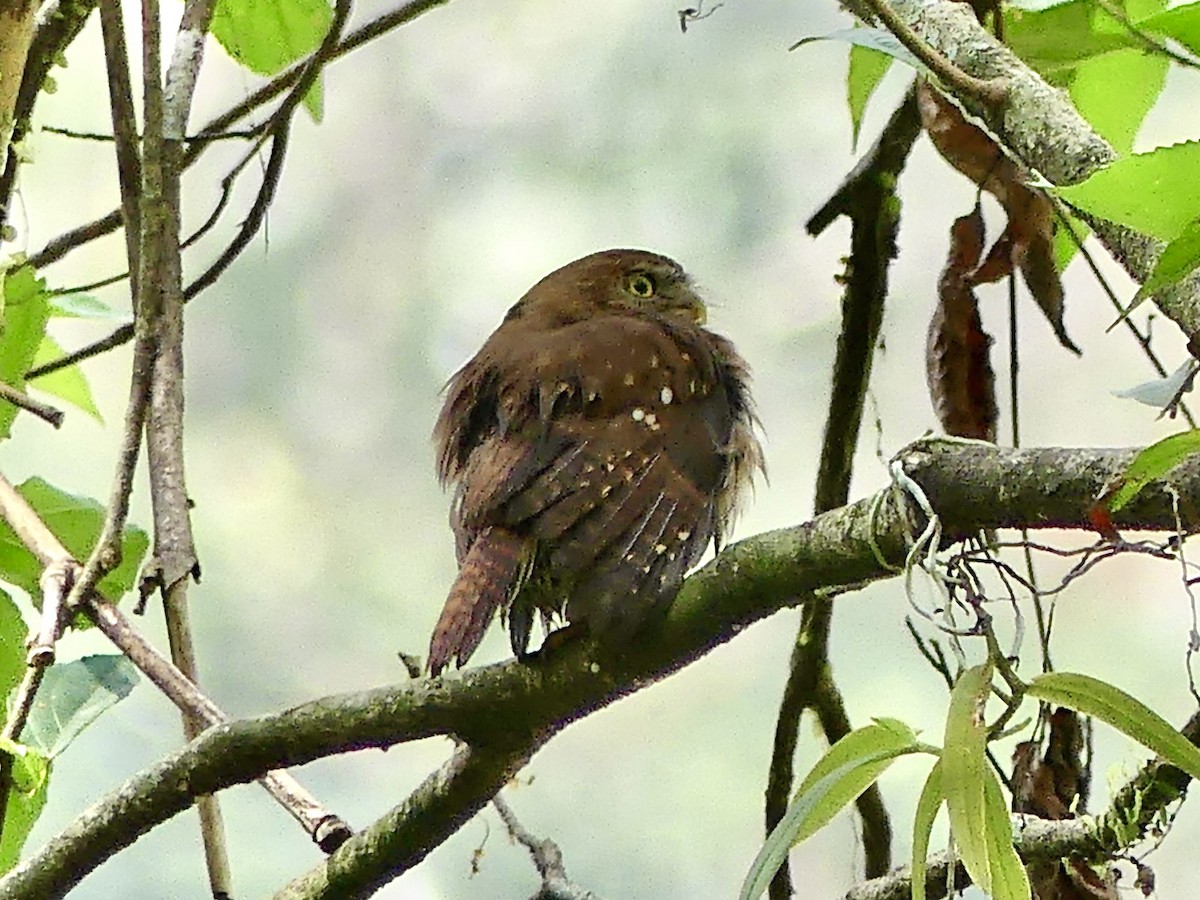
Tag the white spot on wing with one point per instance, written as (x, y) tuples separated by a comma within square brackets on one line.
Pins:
[(666, 395), (638, 414)]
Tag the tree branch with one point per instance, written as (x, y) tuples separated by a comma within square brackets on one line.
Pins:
[(506, 712), (1040, 127), (868, 198)]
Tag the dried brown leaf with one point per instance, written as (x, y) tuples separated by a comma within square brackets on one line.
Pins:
[(1029, 238), (958, 369)]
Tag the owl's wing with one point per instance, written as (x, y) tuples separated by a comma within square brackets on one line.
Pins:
[(611, 457)]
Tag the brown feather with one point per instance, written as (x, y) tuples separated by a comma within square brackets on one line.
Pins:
[(490, 575)]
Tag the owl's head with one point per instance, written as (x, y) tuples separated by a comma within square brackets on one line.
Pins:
[(613, 281)]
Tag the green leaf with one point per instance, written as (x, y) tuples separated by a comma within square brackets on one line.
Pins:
[(1152, 463), (24, 324), (1115, 92), (866, 70), (76, 521), (82, 306), (964, 770), (1182, 23), (1009, 879), (878, 39), (885, 735), (26, 799), (1178, 260), (1157, 193), (1055, 40), (928, 805), (72, 696), (67, 384), (267, 36), (1141, 9), (1110, 704), (847, 769)]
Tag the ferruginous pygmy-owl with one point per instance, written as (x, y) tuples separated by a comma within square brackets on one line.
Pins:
[(597, 443)]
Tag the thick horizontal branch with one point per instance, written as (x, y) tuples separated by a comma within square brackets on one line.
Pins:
[(1038, 125), (506, 712)]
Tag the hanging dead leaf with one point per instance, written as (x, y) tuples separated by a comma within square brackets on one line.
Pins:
[(1028, 240), (957, 364)]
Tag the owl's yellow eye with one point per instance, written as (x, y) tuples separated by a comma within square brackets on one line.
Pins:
[(641, 286)]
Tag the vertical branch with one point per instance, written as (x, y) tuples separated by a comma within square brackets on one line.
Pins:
[(16, 34), (174, 562), (124, 121), (868, 198), (61, 23)]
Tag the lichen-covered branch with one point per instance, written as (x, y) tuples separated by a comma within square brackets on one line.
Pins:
[(505, 712), (1041, 128)]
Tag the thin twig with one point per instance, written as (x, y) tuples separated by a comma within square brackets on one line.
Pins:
[(217, 128), (78, 135), (992, 92), (547, 858), (64, 243), (60, 24), (124, 121), (43, 411), (326, 829)]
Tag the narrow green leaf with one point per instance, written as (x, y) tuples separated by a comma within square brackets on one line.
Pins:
[(1157, 193), (883, 734), (1009, 879), (866, 70), (928, 805), (67, 384), (25, 314), (267, 36), (1131, 717), (845, 771), (1178, 260), (26, 799), (1153, 463), (76, 521), (964, 771), (72, 696), (1181, 23)]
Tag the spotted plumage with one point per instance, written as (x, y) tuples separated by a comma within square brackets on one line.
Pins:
[(597, 443)]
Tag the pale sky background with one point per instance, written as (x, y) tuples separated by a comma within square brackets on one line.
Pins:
[(460, 159)]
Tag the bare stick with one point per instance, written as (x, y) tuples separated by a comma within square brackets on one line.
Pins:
[(174, 549), (43, 411), (68, 241), (547, 857)]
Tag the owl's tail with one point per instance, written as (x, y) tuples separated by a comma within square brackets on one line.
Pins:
[(489, 577)]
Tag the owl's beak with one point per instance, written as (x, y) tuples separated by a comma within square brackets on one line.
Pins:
[(694, 307)]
